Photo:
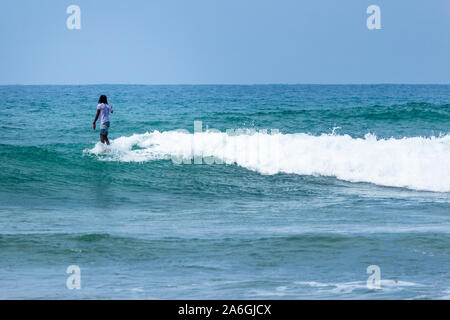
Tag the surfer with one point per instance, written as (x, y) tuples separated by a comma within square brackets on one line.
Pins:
[(103, 110)]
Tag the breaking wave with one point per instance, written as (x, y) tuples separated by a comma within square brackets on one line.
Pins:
[(420, 163)]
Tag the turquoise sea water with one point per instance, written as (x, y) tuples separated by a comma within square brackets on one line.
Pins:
[(355, 176)]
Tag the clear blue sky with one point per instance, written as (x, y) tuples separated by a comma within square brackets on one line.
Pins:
[(224, 41)]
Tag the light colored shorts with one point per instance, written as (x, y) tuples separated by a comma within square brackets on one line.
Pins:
[(104, 127)]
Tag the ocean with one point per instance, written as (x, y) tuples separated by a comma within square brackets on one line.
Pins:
[(282, 192)]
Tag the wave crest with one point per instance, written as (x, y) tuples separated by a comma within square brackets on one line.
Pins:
[(420, 163)]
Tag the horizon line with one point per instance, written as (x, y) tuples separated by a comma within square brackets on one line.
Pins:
[(228, 84)]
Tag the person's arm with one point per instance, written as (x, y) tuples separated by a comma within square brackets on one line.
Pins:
[(96, 117)]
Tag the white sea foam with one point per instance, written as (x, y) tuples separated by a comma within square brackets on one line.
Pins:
[(349, 287), (446, 295), (412, 162), (335, 289)]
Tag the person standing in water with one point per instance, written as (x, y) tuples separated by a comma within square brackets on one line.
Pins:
[(103, 110)]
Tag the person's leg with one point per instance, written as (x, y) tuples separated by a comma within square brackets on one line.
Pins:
[(105, 132)]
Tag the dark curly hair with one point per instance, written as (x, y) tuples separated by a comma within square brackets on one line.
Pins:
[(103, 99)]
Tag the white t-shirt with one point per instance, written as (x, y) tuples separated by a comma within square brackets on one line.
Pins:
[(105, 109)]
